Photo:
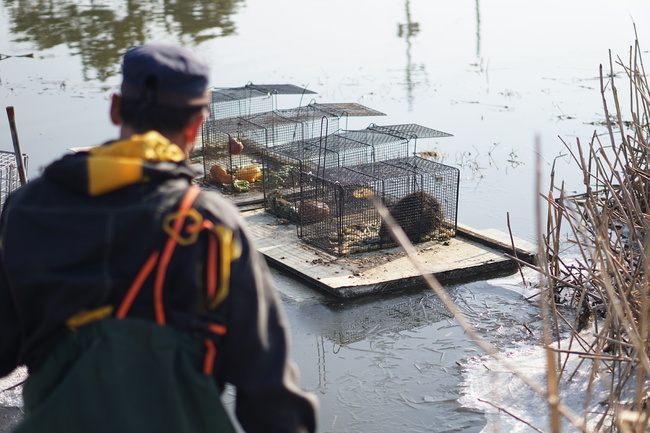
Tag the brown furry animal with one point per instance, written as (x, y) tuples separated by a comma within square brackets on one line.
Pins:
[(418, 213)]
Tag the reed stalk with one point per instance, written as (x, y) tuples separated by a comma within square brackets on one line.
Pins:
[(604, 276), (594, 256)]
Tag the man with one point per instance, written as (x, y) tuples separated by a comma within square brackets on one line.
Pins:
[(133, 297)]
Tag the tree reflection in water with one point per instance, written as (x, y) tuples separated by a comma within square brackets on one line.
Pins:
[(101, 31)]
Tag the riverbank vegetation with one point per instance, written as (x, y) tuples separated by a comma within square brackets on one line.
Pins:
[(597, 256), (594, 263)]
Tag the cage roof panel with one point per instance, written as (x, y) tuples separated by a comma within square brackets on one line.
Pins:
[(231, 125), (306, 113), (271, 119), (410, 130), (282, 89), (371, 137), (338, 141), (249, 91), (350, 109), (346, 177)]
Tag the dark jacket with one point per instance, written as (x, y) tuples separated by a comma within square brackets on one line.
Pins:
[(76, 238)]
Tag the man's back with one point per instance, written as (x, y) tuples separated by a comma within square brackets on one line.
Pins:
[(134, 297)]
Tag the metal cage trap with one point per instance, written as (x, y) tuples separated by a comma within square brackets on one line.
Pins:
[(250, 99), (304, 164), (287, 162), (235, 149), (336, 213), (9, 176)]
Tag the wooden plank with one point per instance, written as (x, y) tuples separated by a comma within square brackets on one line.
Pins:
[(377, 271)]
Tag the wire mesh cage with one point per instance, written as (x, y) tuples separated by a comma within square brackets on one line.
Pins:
[(346, 148), (235, 148), (243, 101), (285, 162), (249, 99), (336, 215), (9, 177), (231, 160)]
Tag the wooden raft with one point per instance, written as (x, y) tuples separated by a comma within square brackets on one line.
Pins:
[(468, 255)]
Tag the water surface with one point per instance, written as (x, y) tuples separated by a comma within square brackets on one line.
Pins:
[(494, 74)]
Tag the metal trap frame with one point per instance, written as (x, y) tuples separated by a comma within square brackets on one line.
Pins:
[(250, 99), (336, 214), (255, 134), (347, 148), (287, 163), (9, 176), (258, 133)]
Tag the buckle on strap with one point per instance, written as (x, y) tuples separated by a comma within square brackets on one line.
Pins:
[(193, 228)]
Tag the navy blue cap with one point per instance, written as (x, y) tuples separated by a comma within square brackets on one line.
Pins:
[(171, 75)]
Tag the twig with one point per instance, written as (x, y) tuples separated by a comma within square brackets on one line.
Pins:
[(514, 250), (510, 414), (431, 282)]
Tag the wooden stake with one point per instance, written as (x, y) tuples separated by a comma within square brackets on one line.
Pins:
[(14, 136)]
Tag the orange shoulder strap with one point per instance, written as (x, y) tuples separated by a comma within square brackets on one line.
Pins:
[(161, 261)]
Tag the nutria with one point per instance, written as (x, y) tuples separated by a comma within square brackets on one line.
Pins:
[(418, 213)]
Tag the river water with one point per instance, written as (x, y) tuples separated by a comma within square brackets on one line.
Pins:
[(494, 74)]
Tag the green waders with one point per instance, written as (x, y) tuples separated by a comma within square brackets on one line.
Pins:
[(124, 376)]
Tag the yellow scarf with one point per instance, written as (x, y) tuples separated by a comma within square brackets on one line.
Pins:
[(119, 164)]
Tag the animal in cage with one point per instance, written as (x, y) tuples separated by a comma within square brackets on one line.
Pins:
[(422, 197), (419, 214), (345, 148)]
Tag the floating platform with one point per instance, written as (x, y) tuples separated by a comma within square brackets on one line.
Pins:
[(468, 255)]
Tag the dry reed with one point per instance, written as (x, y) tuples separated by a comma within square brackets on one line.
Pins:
[(605, 275)]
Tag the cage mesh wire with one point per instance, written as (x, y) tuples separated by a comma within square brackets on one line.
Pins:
[(9, 178), (249, 99), (336, 215), (257, 133), (346, 148), (410, 130), (283, 182), (228, 103)]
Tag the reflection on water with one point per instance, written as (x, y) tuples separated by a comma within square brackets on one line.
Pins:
[(394, 362), (408, 31), (357, 321), (100, 31)]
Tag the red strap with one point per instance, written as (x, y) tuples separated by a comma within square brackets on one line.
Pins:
[(210, 355), (211, 266), (166, 255), (136, 285), (162, 261), (211, 349)]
